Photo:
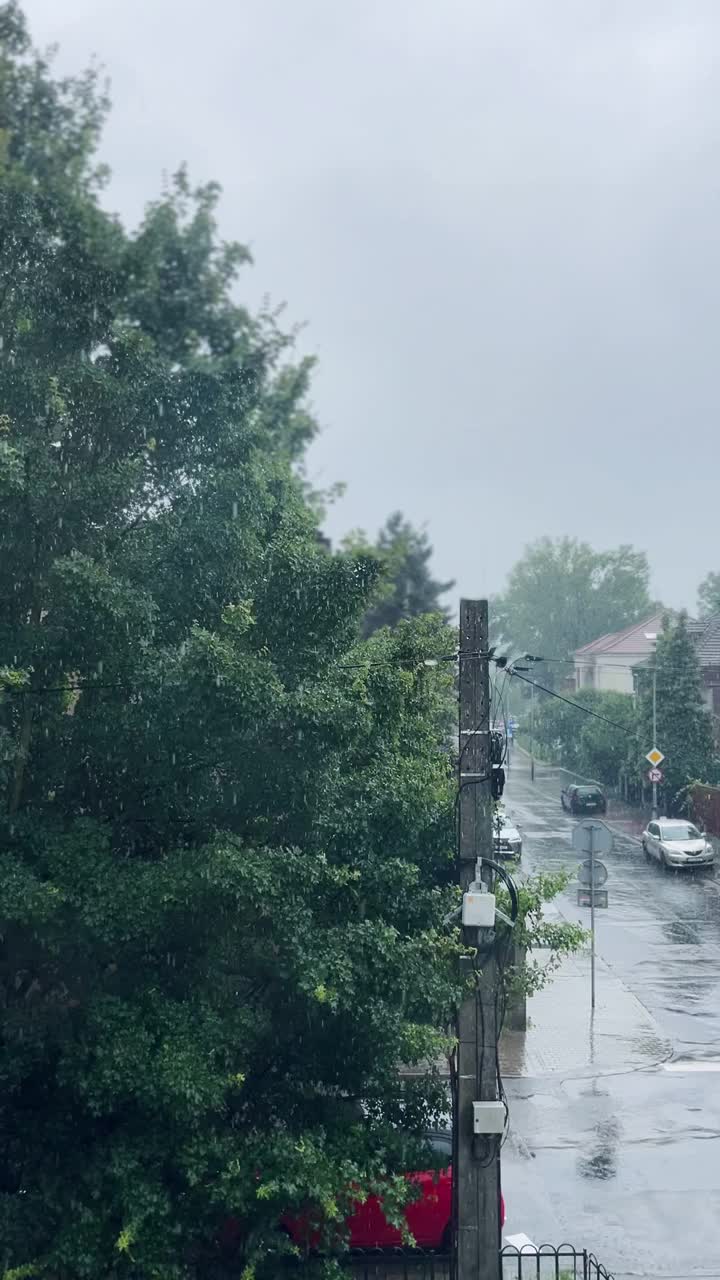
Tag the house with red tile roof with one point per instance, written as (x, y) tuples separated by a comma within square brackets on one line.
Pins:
[(607, 663), (706, 634)]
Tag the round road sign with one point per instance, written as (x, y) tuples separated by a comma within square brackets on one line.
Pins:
[(593, 873), (655, 775), (602, 837)]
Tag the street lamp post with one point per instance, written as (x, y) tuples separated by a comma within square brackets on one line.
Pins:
[(654, 736), (532, 732)]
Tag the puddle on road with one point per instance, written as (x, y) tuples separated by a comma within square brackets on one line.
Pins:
[(600, 1162)]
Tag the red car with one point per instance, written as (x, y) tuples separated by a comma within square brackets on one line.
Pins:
[(429, 1217)]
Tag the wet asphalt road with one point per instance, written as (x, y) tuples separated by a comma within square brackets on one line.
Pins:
[(626, 1162)]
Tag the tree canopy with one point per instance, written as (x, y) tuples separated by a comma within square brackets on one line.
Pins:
[(562, 594), (709, 595), (227, 822), (684, 725), (581, 742), (406, 588)]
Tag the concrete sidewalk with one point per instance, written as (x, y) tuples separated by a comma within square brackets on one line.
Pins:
[(564, 1040)]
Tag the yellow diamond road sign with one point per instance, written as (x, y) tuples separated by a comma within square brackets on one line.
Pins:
[(655, 757)]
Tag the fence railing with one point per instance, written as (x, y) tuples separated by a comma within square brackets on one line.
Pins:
[(550, 1262), (541, 1262), (399, 1264)]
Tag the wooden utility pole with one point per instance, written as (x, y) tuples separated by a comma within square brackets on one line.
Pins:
[(477, 1167)]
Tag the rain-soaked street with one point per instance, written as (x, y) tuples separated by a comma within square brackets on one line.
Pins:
[(615, 1123)]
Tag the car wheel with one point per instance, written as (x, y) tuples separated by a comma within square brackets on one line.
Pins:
[(664, 864)]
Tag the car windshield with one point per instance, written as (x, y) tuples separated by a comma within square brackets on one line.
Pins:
[(681, 831)]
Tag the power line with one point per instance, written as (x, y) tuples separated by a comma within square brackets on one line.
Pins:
[(578, 705)]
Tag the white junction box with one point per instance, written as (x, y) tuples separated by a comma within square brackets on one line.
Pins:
[(489, 1117), (478, 911)]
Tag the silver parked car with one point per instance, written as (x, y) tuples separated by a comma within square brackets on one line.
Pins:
[(677, 843), (506, 837)]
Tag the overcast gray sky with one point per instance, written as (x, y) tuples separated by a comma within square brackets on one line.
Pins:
[(500, 220)]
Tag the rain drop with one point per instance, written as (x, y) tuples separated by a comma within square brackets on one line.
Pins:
[(234, 510)]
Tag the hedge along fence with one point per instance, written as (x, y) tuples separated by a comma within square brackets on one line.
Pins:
[(705, 806)]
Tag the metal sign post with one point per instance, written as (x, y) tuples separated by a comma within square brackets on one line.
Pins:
[(592, 837), (656, 758)]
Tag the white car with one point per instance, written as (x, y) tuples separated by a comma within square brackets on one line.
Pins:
[(506, 837), (677, 843)]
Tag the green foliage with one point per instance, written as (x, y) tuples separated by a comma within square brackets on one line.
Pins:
[(684, 726), (226, 842), (562, 594), (533, 932), (566, 736), (709, 595), (407, 588)]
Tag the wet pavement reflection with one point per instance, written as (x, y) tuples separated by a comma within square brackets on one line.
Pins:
[(615, 1122)]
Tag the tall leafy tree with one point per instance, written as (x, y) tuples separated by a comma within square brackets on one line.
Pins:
[(709, 595), (562, 594), (227, 824), (684, 726), (407, 588), (596, 748)]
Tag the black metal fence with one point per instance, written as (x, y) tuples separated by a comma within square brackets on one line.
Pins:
[(544, 1262), (400, 1264), (550, 1262)]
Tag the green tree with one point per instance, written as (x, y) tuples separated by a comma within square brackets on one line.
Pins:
[(604, 748), (407, 588), (227, 824), (709, 595), (684, 726), (562, 594), (592, 747)]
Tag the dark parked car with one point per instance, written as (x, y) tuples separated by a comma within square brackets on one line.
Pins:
[(583, 799)]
